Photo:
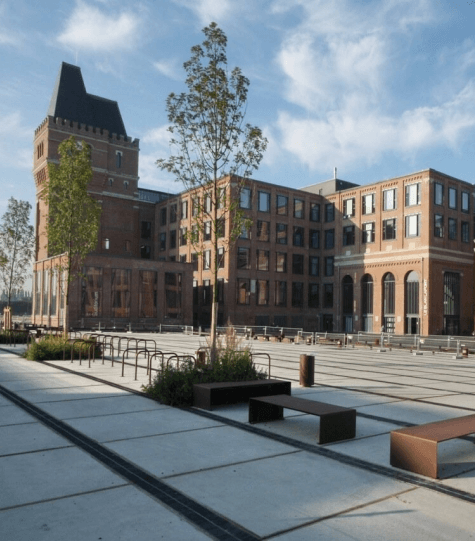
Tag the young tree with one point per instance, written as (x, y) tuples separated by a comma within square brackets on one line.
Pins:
[(73, 215), (215, 150), (17, 240)]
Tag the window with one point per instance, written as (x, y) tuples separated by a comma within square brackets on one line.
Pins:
[(263, 260), (221, 227), (263, 201), (282, 206), (91, 298), (297, 263), (221, 258), (126, 184), (173, 213), (349, 207), (118, 158), (314, 212), (120, 293), (313, 265), (172, 239), (297, 294), (262, 293), (368, 204), (280, 293), (348, 235), (183, 237), (127, 246), (329, 266), (206, 259), (182, 258), (329, 239), (146, 230), (184, 209), (452, 198), (221, 290), (280, 262), (40, 150), (263, 231), (314, 238), (243, 258), (313, 296), (148, 294), (465, 232), (299, 208), (413, 225), (245, 232), (438, 193), (206, 292), (452, 223), (208, 204), (438, 225), (163, 216), (243, 291), (298, 237), (196, 290), (328, 295), (389, 199), (145, 252), (195, 206), (389, 229), (413, 194), (194, 260), (207, 231), (105, 244), (281, 233), (329, 212), (465, 202), (245, 198), (368, 232), (163, 242)]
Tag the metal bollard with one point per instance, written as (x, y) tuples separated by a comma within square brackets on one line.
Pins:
[(307, 370)]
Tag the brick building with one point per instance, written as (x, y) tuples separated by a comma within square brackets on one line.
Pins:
[(124, 283), (335, 256)]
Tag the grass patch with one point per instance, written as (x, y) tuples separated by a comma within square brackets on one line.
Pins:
[(52, 348), (174, 386)]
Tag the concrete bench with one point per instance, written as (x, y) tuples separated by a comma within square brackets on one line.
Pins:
[(336, 423), (415, 448), (207, 395)]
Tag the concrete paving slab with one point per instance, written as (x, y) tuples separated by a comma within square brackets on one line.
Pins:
[(462, 400), (28, 437), (70, 393), (343, 397), (418, 514), (174, 454), (42, 475), (12, 415), (267, 500), (50, 382), (122, 513), (139, 424), (106, 405), (374, 449), (4, 402)]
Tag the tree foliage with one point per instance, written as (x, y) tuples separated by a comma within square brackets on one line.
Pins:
[(73, 215), (214, 150), (17, 242)]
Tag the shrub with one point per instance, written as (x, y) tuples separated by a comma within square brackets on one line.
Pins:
[(8, 337), (174, 386), (52, 348)]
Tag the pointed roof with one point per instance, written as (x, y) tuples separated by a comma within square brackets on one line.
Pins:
[(71, 101)]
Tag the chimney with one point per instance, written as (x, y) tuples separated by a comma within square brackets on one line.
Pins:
[(334, 173)]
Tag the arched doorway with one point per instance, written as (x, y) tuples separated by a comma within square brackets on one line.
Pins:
[(347, 303), (411, 301), (389, 302), (367, 303)]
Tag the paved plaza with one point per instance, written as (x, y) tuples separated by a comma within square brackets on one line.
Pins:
[(84, 455)]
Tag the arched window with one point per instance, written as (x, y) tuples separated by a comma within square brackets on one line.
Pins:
[(367, 303), (451, 303), (347, 303), (389, 302), (412, 303)]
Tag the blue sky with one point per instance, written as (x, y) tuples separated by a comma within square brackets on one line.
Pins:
[(375, 88)]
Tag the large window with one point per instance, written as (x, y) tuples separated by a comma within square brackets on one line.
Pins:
[(298, 237), (390, 199), (282, 206), (262, 292), (313, 295), (313, 265), (173, 294), (263, 204), (452, 223), (146, 230), (327, 295), (281, 233), (297, 263), (91, 295), (263, 260), (452, 303), (173, 212), (280, 293), (438, 225), (452, 198), (389, 302), (183, 236), (184, 209), (243, 291), (281, 262), (329, 212), (368, 232), (329, 239), (163, 242), (329, 266), (465, 202), (389, 229), (314, 212), (348, 235), (413, 194), (243, 258), (314, 238), (412, 303), (465, 232), (299, 208), (349, 207), (206, 259), (367, 302), (368, 204), (148, 294), (297, 294), (413, 225), (120, 293), (263, 231), (172, 239), (438, 193), (245, 198), (347, 295)]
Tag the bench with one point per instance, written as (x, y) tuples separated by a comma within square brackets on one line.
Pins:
[(207, 395), (336, 423), (415, 448)]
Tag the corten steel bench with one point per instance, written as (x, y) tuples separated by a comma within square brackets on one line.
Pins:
[(336, 423), (207, 395), (415, 448)]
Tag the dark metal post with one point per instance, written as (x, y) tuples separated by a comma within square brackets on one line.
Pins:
[(307, 370)]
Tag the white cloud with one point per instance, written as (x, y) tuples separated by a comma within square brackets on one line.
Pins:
[(209, 10), (168, 68), (88, 28), (157, 136), (340, 65), (15, 142), (152, 177)]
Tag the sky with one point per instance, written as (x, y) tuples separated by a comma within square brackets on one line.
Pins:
[(376, 88)]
